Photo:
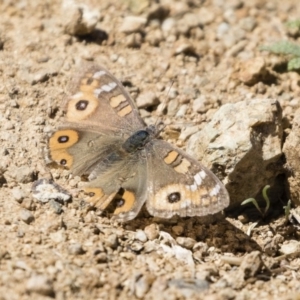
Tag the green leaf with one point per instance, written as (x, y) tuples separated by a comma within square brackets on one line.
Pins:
[(264, 192), (287, 209), (252, 200), (294, 64), (283, 47), (293, 24)]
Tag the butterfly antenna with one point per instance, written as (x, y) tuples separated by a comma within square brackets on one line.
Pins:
[(158, 122)]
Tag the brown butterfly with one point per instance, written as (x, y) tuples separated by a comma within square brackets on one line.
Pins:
[(104, 137)]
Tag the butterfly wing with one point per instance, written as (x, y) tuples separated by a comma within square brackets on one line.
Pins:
[(99, 102), (180, 185), (122, 178)]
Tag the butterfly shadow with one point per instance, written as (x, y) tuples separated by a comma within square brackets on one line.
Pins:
[(215, 231)]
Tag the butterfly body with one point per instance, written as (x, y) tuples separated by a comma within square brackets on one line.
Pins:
[(104, 137)]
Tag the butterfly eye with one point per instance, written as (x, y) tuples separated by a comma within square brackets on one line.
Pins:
[(63, 139), (82, 104), (174, 197)]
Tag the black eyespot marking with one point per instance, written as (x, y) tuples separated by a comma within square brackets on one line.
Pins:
[(174, 197), (91, 194), (63, 162), (63, 139), (82, 104), (119, 202)]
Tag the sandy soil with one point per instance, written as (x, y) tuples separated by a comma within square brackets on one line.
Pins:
[(176, 51)]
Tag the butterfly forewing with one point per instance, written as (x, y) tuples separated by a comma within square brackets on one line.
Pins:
[(99, 101)]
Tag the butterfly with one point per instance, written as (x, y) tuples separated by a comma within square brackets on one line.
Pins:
[(102, 136)]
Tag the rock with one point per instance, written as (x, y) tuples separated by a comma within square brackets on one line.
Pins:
[(133, 40), (79, 19), (186, 242), (132, 24), (18, 194), (187, 132), (147, 99), (58, 236), (137, 6), (168, 25), (154, 37), (111, 241), (290, 247), (142, 285), (189, 289), (291, 151), (23, 174), (252, 70), (45, 190), (185, 47), (57, 207), (76, 249), (242, 143), (136, 246), (152, 231), (100, 257), (200, 104), (251, 265), (205, 16), (141, 236), (177, 229), (40, 284), (26, 216)]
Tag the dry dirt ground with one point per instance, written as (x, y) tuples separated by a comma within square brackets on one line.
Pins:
[(175, 52)]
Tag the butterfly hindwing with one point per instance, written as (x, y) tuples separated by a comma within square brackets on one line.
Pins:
[(178, 184)]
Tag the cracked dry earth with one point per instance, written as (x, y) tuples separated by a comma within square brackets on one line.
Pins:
[(192, 56)]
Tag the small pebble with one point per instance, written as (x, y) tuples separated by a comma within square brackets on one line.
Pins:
[(186, 242), (291, 246), (147, 99), (57, 207), (143, 285), (152, 231), (111, 241), (26, 216), (200, 104), (101, 258), (58, 236), (141, 236), (79, 19), (76, 249), (18, 194), (136, 246), (177, 229), (40, 284), (132, 24), (23, 174)]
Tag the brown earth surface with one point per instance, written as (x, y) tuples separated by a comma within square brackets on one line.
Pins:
[(177, 52)]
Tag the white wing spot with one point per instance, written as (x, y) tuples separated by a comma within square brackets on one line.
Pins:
[(185, 204), (202, 174), (99, 74), (193, 187), (108, 87), (105, 88), (198, 179), (97, 92), (215, 190)]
